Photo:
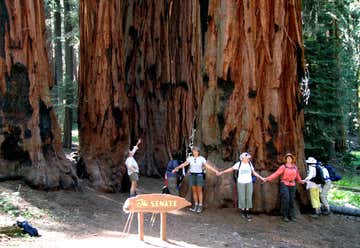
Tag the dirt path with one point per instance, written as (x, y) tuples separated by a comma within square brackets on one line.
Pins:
[(92, 219)]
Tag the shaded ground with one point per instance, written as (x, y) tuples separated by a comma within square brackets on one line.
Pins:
[(92, 219)]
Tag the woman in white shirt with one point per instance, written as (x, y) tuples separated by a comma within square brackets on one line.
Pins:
[(133, 169), (244, 183), (196, 178)]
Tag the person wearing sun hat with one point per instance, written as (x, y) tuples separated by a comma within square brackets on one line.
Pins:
[(314, 189), (289, 174), (244, 183)]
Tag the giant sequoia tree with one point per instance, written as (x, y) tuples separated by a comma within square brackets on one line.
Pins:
[(30, 136), (155, 69)]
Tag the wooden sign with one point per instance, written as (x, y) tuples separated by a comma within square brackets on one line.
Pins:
[(154, 203)]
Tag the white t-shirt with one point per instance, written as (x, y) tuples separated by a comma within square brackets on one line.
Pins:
[(131, 164), (245, 172), (196, 164)]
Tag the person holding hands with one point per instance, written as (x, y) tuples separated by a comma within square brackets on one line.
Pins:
[(244, 183), (196, 178), (289, 173)]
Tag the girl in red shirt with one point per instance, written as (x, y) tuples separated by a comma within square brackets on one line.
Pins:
[(289, 174)]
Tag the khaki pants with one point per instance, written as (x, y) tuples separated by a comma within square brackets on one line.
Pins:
[(245, 192), (324, 192)]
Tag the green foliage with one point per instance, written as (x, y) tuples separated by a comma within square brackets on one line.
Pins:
[(8, 205), (343, 197), (331, 34), (349, 181)]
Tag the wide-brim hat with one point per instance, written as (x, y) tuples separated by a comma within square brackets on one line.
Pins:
[(311, 160), (245, 155), (195, 148), (289, 154)]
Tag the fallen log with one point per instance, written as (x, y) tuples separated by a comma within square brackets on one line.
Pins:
[(345, 210)]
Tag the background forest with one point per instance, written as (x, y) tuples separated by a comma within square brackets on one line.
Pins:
[(331, 34)]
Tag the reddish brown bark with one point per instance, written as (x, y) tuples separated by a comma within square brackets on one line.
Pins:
[(30, 135), (253, 59), (103, 127), (141, 76)]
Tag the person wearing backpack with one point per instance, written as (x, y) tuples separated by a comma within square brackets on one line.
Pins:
[(313, 181), (171, 177), (196, 179), (244, 182), (289, 174), (325, 190)]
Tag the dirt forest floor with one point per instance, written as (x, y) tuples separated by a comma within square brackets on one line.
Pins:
[(91, 219)]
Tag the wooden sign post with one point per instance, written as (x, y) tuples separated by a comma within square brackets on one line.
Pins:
[(154, 203)]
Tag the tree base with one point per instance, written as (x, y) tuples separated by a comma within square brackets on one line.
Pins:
[(53, 176)]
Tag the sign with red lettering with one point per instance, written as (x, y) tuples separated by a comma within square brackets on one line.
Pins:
[(155, 203)]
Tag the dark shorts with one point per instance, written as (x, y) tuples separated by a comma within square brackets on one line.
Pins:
[(134, 177), (196, 179)]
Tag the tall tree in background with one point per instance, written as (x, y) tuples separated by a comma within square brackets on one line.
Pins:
[(69, 75), (58, 55), (140, 77), (30, 135), (333, 57)]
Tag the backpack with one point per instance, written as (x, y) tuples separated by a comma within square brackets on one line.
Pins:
[(319, 178), (236, 173), (332, 173), (27, 228)]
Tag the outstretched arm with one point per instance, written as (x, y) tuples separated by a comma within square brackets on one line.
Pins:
[(228, 170), (138, 143), (186, 163), (276, 174), (209, 167), (257, 175)]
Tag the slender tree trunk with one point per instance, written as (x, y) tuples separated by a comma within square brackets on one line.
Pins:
[(30, 135), (69, 78), (58, 58)]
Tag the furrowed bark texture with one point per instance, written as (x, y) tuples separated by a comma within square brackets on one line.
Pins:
[(30, 136), (150, 68), (139, 78), (253, 60)]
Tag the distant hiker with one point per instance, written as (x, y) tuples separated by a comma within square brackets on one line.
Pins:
[(196, 178), (289, 173), (313, 182), (133, 169), (170, 176), (244, 183), (325, 189)]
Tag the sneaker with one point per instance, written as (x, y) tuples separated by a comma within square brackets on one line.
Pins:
[(248, 216), (194, 209), (285, 219), (243, 214), (293, 219), (199, 209), (315, 216)]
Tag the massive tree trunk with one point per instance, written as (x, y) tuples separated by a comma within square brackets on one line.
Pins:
[(102, 113), (253, 62), (30, 135), (145, 75), (139, 78)]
